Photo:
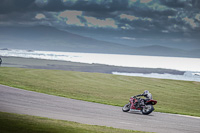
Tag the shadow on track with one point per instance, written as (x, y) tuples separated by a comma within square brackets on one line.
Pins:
[(138, 113)]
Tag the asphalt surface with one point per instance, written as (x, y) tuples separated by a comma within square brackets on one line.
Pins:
[(20, 101)]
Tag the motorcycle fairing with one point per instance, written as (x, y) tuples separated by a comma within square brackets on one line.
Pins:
[(133, 101), (153, 102)]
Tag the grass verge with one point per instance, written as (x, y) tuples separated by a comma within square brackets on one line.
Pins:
[(181, 97), (15, 123)]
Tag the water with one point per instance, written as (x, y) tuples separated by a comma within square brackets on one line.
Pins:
[(191, 65), (187, 76)]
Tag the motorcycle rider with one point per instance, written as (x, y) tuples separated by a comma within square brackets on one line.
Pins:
[(146, 94)]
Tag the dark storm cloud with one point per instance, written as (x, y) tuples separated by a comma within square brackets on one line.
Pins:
[(196, 3), (98, 8), (9, 6), (181, 3), (175, 3), (144, 17)]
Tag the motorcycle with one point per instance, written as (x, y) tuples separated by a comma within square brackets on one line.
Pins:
[(144, 105)]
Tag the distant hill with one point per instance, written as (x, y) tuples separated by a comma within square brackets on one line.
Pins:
[(194, 53), (52, 39), (161, 50), (157, 50), (49, 38)]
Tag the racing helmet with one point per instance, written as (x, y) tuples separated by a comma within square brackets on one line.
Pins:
[(146, 92)]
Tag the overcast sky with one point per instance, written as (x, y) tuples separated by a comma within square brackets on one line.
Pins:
[(130, 22)]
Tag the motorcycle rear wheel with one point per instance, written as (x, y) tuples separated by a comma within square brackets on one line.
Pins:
[(126, 107), (147, 109)]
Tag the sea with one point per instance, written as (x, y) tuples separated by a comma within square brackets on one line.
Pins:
[(191, 66)]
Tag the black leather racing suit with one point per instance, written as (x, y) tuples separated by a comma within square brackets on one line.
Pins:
[(137, 104)]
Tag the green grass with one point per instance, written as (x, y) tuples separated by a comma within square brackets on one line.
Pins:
[(173, 96), (15, 123)]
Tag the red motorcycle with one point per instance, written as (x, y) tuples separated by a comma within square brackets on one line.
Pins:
[(137, 103)]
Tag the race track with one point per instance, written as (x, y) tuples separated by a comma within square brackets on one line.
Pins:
[(20, 101)]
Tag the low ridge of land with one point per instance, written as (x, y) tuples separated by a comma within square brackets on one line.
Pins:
[(81, 67)]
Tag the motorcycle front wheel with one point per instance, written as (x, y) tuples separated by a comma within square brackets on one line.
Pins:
[(126, 107), (147, 109)]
